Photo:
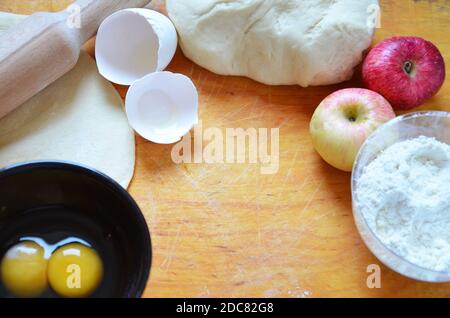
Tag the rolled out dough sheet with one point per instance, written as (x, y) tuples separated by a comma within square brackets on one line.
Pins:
[(79, 118)]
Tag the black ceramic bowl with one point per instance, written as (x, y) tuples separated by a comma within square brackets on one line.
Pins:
[(56, 200)]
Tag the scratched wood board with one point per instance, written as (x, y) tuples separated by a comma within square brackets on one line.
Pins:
[(229, 231)]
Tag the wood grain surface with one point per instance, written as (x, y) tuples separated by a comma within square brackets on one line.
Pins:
[(229, 231)]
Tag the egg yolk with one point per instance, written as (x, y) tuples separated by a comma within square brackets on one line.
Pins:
[(24, 269), (75, 270)]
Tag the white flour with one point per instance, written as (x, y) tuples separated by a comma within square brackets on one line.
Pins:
[(405, 197)]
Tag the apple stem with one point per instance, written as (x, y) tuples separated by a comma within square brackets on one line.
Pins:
[(408, 67)]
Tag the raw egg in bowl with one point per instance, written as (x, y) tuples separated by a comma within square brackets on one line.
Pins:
[(69, 231)]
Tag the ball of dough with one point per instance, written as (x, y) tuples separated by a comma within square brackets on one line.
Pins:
[(24, 270), (281, 42), (75, 270)]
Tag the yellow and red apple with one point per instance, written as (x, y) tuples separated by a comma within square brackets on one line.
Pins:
[(344, 120)]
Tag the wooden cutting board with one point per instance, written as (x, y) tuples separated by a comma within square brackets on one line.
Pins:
[(228, 230)]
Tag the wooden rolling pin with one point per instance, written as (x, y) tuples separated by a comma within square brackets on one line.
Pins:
[(45, 46)]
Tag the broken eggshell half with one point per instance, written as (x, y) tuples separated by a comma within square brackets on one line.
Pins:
[(162, 107), (132, 43)]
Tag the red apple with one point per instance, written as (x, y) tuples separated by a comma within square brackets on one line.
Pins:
[(405, 70), (344, 120)]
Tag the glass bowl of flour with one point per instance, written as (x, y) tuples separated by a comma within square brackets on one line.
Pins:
[(401, 195)]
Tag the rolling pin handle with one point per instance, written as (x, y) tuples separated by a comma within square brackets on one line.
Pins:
[(45, 46)]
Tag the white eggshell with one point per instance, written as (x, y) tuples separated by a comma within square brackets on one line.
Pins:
[(132, 43), (162, 107)]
